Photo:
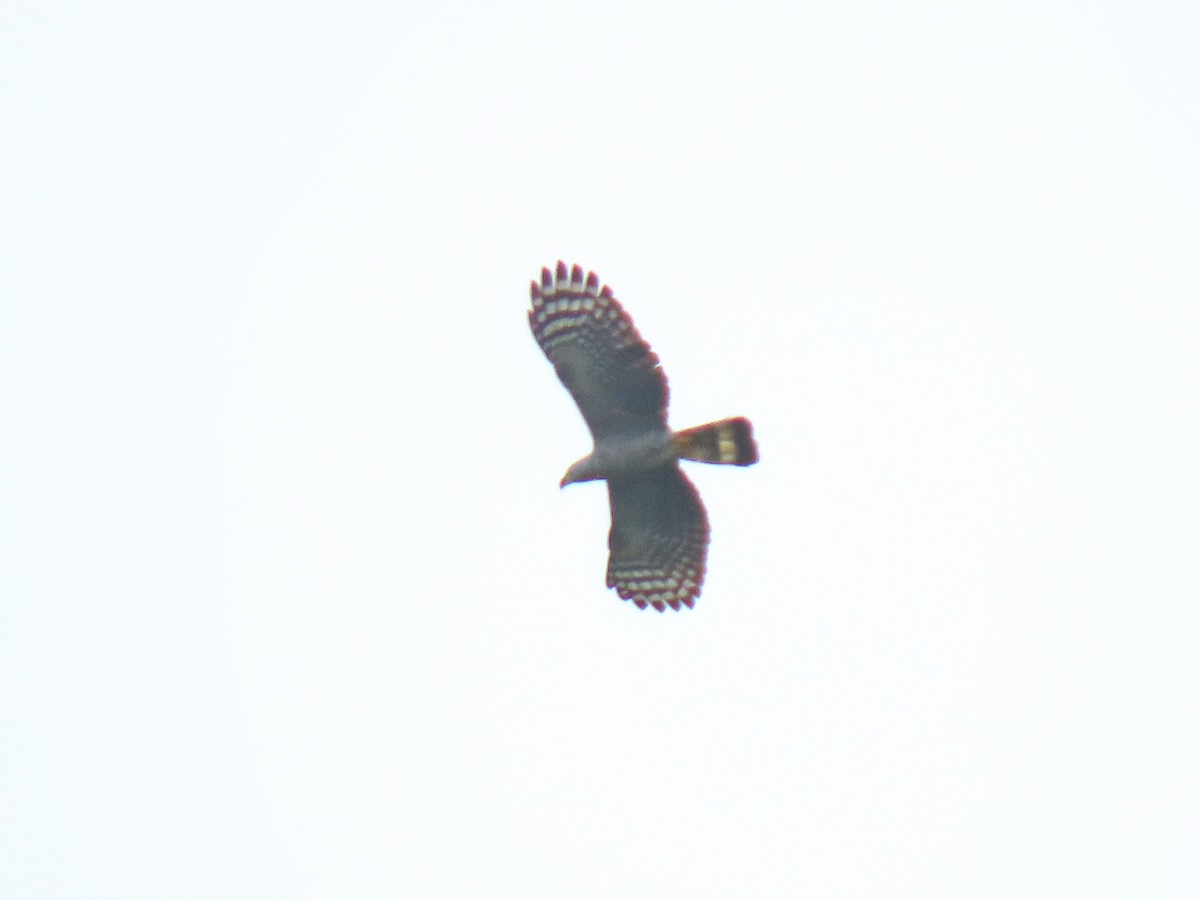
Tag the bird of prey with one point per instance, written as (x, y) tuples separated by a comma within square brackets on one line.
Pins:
[(659, 536)]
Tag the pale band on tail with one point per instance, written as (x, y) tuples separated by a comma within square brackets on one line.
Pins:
[(727, 442)]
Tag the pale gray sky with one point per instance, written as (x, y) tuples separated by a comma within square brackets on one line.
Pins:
[(292, 605)]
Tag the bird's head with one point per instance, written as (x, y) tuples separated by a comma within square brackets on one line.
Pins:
[(582, 470)]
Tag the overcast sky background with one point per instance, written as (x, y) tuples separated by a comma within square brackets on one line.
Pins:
[(292, 604)]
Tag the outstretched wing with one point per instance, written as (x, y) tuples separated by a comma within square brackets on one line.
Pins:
[(611, 372), (659, 538)]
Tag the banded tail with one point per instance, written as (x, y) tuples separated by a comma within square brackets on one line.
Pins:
[(728, 442)]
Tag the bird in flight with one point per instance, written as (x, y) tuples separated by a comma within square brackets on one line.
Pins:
[(659, 536)]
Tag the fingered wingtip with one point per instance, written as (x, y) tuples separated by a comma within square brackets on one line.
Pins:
[(575, 279)]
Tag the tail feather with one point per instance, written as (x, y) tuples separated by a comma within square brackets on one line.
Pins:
[(729, 442)]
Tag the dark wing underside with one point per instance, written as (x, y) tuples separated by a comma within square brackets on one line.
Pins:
[(612, 373), (659, 538)]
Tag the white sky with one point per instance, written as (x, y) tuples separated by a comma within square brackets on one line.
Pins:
[(292, 603)]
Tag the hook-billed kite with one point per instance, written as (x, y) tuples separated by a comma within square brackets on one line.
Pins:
[(659, 537)]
